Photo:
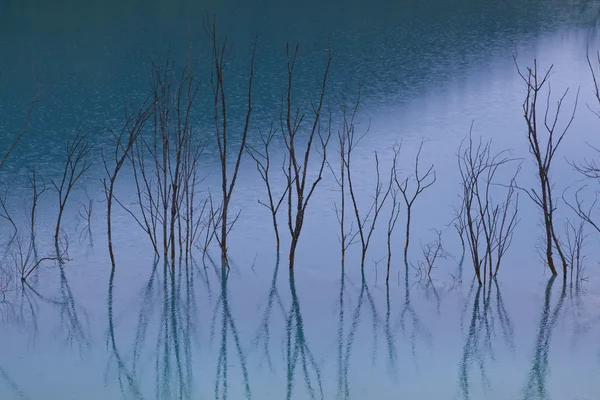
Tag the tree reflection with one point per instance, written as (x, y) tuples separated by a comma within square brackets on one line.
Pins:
[(408, 316), (73, 318), (263, 334), (298, 349), (342, 388), (227, 328), (168, 297), (535, 387), (481, 332), (127, 381), (12, 385), (345, 344), (21, 311)]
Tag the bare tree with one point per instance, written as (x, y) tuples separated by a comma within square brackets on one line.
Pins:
[(221, 51), (432, 251), (365, 223), (25, 260), (5, 214), (75, 166), (459, 226), (262, 158), (124, 140), (395, 211), (488, 225), (301, 186), (23, 251), (346, 237), (588, 168), (6, 274), (421, 183), (574, 248), (85, 214), (544, 137), (36, 193), (165, 162)]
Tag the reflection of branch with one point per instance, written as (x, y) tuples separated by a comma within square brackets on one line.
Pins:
[(124, 374), (23, 315), (471, 351), (146, 309), (75, 327), (409, 312), (391, 344), (263, 333), (27, 305), (505, 323), (172, 353), (13, 385), (535, 387), (227, 326), (342, 389), (172, 333), (344, 359), (481, 332), (297, 347)]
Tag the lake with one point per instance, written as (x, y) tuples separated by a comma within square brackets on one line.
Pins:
[(152, 325)]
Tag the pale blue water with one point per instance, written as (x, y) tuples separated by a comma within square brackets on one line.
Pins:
[(426, 69)]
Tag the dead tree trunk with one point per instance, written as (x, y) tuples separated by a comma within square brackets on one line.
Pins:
[(75, 166), (365, 223), (124, 141), (544, 137), (421, 183), (301, 186), (221, 52), (262, 158), (488, 225)]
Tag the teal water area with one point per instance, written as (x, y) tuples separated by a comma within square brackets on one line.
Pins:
[(147, 330)]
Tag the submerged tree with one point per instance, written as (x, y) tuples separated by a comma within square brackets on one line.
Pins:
[(221, 52), (589, 169), (75, 166), (365, 217), (124, 141), (345, 236), (544, 137), (487, 224), (165, 159), (263, 159), (301, 185), (420, 183)]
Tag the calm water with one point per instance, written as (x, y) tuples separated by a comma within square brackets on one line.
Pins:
[(426, 70)]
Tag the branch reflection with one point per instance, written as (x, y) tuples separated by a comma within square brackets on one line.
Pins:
[(263, 334), (298, 349), (12, 385), (227, 329), (481, 333), (346, 344), (535, 387), (167, 310)]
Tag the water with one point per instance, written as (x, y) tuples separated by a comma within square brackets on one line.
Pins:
[(425, 70)]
